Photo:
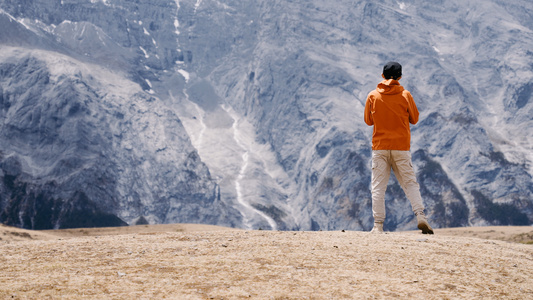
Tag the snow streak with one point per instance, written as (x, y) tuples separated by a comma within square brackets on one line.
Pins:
[(237, 136)]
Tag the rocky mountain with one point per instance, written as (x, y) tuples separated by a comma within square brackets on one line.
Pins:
[(249, 113)]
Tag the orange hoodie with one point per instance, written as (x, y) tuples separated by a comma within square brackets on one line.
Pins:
[(390, 108)]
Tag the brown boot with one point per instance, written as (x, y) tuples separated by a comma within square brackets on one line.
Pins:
[(423, 223)]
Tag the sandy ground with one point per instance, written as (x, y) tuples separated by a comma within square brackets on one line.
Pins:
[(518, 234), (195, 262)]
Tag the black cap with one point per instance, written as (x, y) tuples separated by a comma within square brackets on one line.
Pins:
[(392, 70)]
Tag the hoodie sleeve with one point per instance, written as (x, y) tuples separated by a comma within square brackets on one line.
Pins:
[(369, 120), (413, 110)]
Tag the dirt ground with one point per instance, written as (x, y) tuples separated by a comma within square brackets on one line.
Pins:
[(208, 262)]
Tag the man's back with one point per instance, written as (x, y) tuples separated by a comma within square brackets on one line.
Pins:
[(390, 108)]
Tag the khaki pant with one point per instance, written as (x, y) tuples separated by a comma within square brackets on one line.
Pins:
[(400, 162)]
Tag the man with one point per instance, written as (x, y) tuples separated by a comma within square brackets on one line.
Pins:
[(390, 108)]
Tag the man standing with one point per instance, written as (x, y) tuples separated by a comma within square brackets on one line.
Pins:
[(390, 108)]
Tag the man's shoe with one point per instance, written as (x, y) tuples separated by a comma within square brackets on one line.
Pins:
[(378, 227), (423, 223)]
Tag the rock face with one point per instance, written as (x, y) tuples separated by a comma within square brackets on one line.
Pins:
[(249, 113), (84, 147)]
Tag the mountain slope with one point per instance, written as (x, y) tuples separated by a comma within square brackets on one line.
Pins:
[(83, 147), (249, 113), (308, 78)]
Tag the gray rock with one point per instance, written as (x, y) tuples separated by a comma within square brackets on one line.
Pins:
[(249, 113)]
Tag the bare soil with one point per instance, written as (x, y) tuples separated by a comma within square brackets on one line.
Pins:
[(184, 261)]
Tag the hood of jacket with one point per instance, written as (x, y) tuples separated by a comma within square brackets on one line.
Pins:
[(390, 87)]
